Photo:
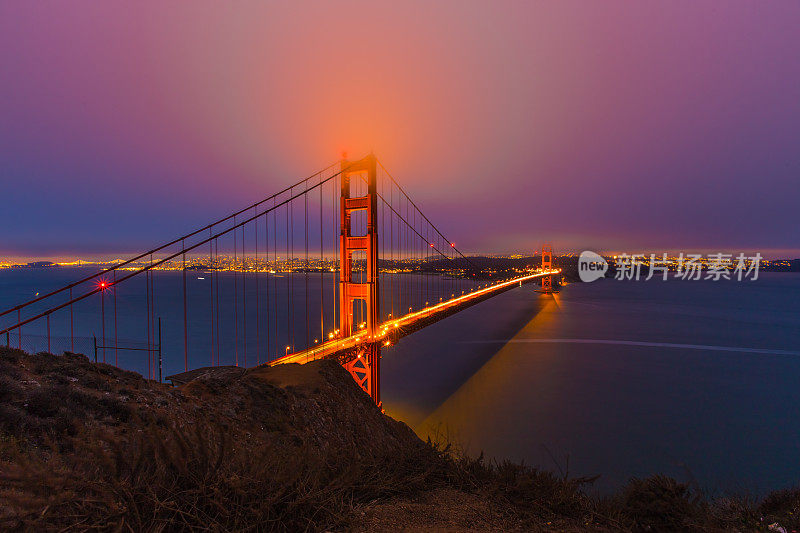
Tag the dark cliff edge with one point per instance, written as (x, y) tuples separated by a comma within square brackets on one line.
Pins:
[(88, 446)]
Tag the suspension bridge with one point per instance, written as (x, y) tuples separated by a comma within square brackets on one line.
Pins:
[(339, 265)]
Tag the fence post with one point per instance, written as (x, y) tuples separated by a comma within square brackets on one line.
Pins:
[(8, 340), (94, 337), (159, 350)]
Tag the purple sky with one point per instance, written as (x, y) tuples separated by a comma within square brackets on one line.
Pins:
[(615, 126)]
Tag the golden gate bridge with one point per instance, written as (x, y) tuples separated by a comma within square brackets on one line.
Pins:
[(339, 265)]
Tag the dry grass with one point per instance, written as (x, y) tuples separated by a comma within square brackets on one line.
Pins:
[(89, 447), (167, 480)]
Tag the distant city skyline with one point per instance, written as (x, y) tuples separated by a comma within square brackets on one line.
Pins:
[(328, 257), (614, 126)]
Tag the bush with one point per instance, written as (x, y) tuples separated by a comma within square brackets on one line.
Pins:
[(46, 401), (782, 506), (9, 388), (659, 503)]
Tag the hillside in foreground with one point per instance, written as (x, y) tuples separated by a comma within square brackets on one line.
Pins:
[(88, 446)]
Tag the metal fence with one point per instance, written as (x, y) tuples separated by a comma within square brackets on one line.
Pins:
[(130, 354)]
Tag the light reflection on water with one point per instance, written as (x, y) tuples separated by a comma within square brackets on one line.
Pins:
[(693, 379)]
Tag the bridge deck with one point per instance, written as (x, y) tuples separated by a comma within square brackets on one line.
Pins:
[(392, 330)]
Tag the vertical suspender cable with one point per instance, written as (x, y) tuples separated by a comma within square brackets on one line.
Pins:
[(266, 275), (288, 287), (153, 313), (382, 234), (211, 290), (244, 301), (308, 322), (410, 283), (116, 338), (71, 325), (391, 250), (235, 294), (216, 295), (185, 314), (258, 288), (275, 279), (291, 280), (335, 235), (321, 268), (149, 333)]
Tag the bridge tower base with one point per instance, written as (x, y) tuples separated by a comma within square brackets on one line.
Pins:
[(365, 366)]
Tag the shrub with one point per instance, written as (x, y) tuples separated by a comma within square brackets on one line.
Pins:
[(659, 503), (782, 506)]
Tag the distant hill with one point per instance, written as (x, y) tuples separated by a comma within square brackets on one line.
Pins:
[(40, 264)]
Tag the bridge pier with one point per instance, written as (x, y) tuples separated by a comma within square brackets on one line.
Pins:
[(365, 367)]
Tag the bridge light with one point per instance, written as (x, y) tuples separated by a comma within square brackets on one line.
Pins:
[(453, 244), (431, 245)]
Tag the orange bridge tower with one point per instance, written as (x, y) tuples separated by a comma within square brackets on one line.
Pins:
[(547, 264), (362, 293)]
